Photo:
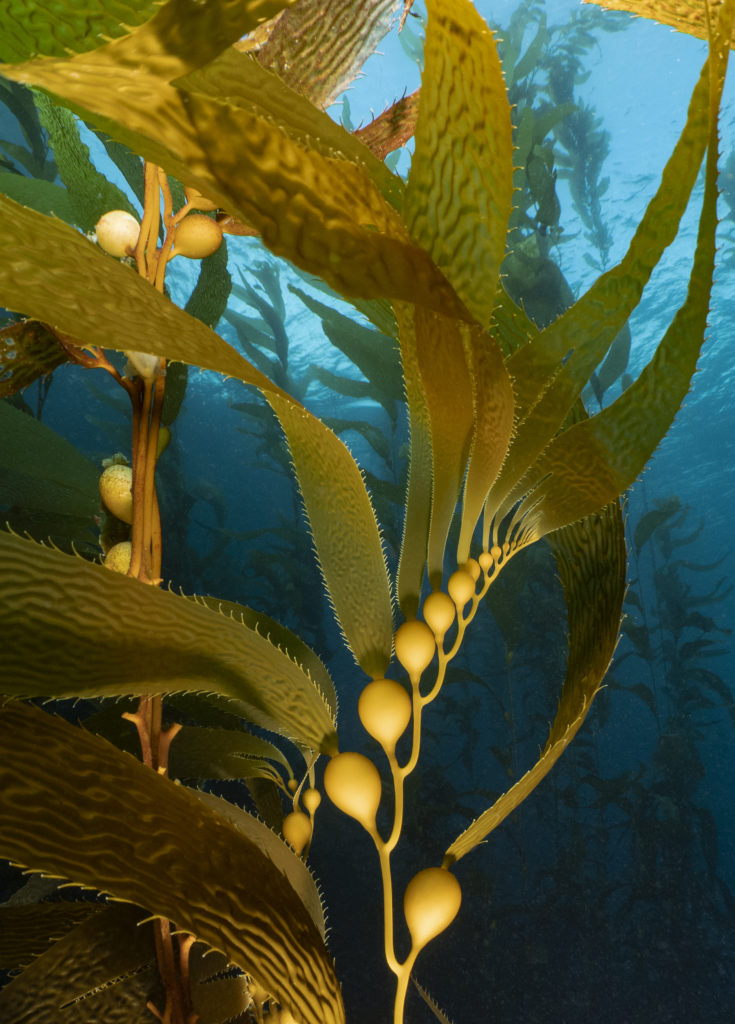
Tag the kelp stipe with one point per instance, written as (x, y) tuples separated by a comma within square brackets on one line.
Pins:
[(496, 429)]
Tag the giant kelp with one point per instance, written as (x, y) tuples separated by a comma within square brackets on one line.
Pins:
[(496, 431)]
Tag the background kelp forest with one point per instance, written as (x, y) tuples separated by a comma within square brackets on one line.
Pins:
[(609, 895)]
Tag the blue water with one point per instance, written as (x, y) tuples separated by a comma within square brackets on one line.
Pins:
[(608, 896)]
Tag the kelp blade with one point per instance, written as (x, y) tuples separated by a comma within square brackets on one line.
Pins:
[(598, 458), (99, 957), (459, 192), (44, 278), (72, 628), (591, 561), (82, 812)]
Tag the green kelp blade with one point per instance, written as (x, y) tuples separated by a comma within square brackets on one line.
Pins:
[(493, 427), (72, 628), (319, 46), (41, 195), (591, 561), (83, 812), (346, 535), (596, 459), (43, 471), (45, 276), (29, 27), (420, 469), (89, 191), (102, 952), (460, 188)]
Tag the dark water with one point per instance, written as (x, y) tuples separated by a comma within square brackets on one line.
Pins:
[(609, 896)]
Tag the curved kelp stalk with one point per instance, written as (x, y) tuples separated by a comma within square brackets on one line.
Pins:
[(496, 427)]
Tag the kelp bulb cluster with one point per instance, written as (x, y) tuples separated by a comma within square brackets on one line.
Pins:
[(116, 491), (119, 556), (461, 587), (472, 566), (439, 612), (353, 784), (296, 830), (385, 711), (117, 232), (198, 201), (197, 236), (415, 646), (311, 800), (430, 904)]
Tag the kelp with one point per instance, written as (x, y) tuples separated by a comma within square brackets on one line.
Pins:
[(92, 827), (493, 411)]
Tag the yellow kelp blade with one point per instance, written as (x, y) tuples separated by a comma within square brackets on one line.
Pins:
[(448, 391), (50, 271), (319, 46), (72, 628), (82, 812), (417, 517), (28, 929), (493, 428), (242, 82), (346, 536), (591, 560), (324, 213), (545, 389), (459, 192), (684, 15), (102, 953), (598, 458)]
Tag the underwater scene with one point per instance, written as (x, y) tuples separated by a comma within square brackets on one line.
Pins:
[(367, 465)]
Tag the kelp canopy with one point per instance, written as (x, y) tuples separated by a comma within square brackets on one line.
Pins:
[(224, 102)]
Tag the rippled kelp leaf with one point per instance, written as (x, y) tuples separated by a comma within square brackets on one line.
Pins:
[(99, 954), (417, 517), (51, 261), (492, 396), (324, 213), (447, 386), (82, 812), (244, 82), (460, 187), (90, 193), (591, 560), (346, 538), (54, 27), (545, 389), (596, 459), (72, 628), (28, 350), (318, 46), (684, 15), (27, 930)]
